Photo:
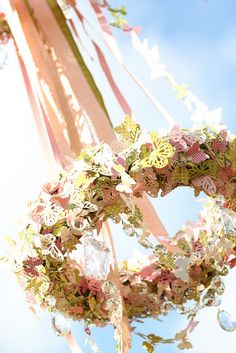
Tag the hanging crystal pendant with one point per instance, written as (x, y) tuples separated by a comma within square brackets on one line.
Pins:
[(96, 258), (229, 222), (129, 230), (210, 299), (219, 201), (218, 285), (60, 324), (50, 301), (225, 321)]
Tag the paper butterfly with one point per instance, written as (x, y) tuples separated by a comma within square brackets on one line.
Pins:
[(129, 130), (219, 145), (196, 154), (194, 136), (181, 175), (182, 264), (126, 181), (88, 207), (71, 213), (151, 187), (176, 138), (49, 242), (31, 263), (50, 214), (159, 157), (178, 288), (206, 167)]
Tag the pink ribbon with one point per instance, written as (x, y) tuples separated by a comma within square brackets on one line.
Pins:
[(74, 347)]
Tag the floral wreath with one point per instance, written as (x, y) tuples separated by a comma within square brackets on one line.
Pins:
[(104, 184)]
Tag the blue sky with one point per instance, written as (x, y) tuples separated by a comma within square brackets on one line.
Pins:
[(197, 41)]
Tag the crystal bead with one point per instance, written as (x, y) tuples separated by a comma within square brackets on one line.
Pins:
[(129, 230), (145, 242), (229, 222), (60, 324), (224, 271), (96, 258), (225, 321), (50, 301), (218, 285), (210, 299), (219, 200)]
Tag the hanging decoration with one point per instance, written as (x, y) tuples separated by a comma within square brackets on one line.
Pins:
[(64, 258), (63, 264)]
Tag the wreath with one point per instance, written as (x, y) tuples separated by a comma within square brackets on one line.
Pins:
[(63, 263)]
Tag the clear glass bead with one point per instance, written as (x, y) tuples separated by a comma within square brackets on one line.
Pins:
[(96, 258), (129, 230), (50, 301), (229, 222), (60, 324), (225, 321), (218, 285)]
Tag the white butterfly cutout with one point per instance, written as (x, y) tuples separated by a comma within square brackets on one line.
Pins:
[(88, 207), (49, 241), (126, 181), (51, 213), (182, 264)]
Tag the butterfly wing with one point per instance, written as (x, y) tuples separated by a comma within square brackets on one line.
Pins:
[(88, 207), (175, 134), (55, 252), (206, 183), (160, 156), (176, 138), (182, 268)]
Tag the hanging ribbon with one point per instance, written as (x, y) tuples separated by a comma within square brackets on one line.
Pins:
[(74, 347), (111, 44), (100, 122), (104, 65), (123, 325), (37, 114), (151, 219), (48, 75)]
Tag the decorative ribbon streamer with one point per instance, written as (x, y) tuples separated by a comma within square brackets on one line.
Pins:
[(123, 326), (74, 347), (104, 65), (123, 103), (55, 148), (151, 218), (48, 72), (111, 44)]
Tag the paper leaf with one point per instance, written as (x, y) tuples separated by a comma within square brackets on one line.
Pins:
[(206, 183)]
